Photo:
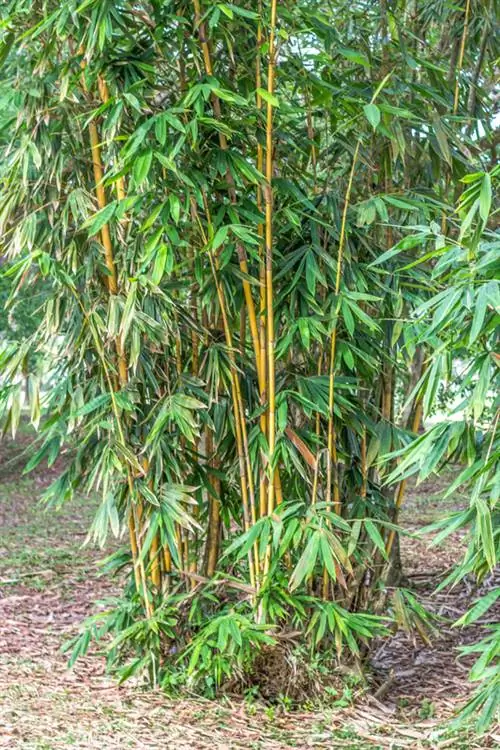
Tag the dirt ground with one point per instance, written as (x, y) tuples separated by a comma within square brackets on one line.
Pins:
[(48, 584)]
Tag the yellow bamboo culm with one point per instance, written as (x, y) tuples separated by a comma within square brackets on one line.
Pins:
[(364, 467), (122, 362), (262, 269), (112, 285), (248, 494), (154, 551), (242, 256), (245, 469), (268, 237), (257, 328), (269, 291), (461, 56), (213, 527), (456, 94), (112, 281), (246, 481)]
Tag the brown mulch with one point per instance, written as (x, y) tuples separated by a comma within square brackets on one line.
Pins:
[(45, 706), (414, 674)]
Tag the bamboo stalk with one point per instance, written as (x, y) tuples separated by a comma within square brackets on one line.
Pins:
[(167, 567), (246, 479), (310, 135), (268, 236), (262, 269), (485, 35), (248, 500), (269, 291), (242, 255), (154, 551), (112, 280), (461, 57), (181, 534), (256, 335), (138, 566), (364, 469), (112, 285), (456, 69)]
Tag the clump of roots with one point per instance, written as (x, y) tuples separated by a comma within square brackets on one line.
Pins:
[(285, 671)]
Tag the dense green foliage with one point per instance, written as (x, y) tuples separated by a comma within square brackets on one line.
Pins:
[(256, 284)]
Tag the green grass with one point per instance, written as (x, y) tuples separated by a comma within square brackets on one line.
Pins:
[(39, 544)]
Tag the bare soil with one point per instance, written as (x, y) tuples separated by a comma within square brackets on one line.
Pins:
[(49, 583)]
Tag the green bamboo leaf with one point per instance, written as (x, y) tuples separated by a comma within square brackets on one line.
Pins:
[(239, 11), (327, 558), (405, 244), (485, 531), (95, 223), (175, 207), (480, 392), (96, 403), (479, 608), (482, 298), (161, 129), (372, 114), (159, 264), (220, 237), (307, 561), (229, 96), (142, 165), (354, 56), (485, 197), (442, 140), (269, 98), (375, 536)]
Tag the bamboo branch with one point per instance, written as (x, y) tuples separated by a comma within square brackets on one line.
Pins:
[(214, 520), (331, 439)]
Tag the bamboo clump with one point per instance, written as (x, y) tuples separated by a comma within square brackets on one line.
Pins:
[(234, 213)]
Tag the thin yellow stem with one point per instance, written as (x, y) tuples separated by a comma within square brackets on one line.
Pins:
[(269, 291), (246, 480), (331, 442), (461, 56)]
